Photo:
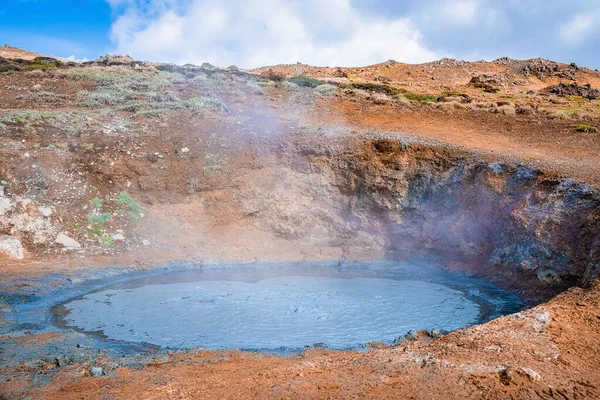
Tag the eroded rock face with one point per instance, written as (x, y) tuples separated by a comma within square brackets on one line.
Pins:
[(11, 247), (22, 217), (506, 223)]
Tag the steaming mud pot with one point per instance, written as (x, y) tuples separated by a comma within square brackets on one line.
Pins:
[(286, 309)]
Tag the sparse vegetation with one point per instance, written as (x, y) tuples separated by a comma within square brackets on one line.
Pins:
[(22, 117), (97, 202), (214, 162), (578, 99), (156, 111), (374, 87), (124, 79), (253, 88), (8, 68), (119, 86), (525, 110), (400, 94), (586, 128), (326, 89), (193, 183), (197, 103), (106, 240), (164, 97), (99, 219), (421, 98), (569, 111), (218, 76), (168, 68), (215, 159), (305, 81), (134, 208), (506, 109), (132, 106), (291, 86), (37, 63), (103, 98), (453, 93), (43, 97), (97, 226)]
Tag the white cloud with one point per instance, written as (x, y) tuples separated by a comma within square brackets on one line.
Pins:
[(578, 29), (459, 12), (72, 57), (252, 33)]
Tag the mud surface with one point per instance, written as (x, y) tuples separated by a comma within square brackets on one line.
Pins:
[(287, 309)]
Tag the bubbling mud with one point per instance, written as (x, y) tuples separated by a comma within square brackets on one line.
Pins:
[(276, 308)]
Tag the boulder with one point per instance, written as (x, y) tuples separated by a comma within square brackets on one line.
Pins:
[(573, 89), (67, 242), (11, 247)]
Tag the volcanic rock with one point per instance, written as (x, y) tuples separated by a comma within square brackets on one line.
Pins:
[(67, 242), (11, 247)]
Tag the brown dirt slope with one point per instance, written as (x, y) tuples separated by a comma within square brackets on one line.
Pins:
[(8, 51)]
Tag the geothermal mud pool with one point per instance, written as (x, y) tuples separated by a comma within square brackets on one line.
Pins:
[(285, 308)]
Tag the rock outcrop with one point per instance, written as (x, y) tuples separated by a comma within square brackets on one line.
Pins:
[(11, 247)]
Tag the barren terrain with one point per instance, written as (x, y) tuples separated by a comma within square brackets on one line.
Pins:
[(115, 165)]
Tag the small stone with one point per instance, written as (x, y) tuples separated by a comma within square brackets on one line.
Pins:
[(26, 155), (11, 247), (67, 242), (146, 242), (37, 87), (96, 371), (118, 237), (62, 361), (436, 333), (46, 211), (493, 347), (185, 150), (531, 374)]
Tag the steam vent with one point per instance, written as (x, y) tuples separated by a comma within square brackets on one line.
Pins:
[(409, 231)]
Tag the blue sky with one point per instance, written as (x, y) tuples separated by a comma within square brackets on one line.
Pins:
[(62, 28), (252, 33)]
